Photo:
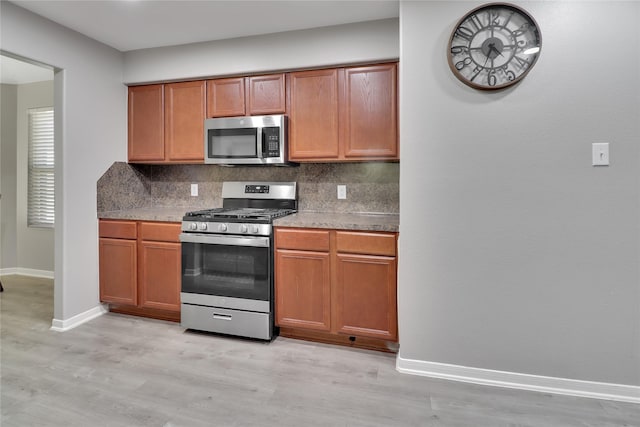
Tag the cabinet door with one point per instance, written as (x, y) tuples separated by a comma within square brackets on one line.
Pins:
[(303, 289), (369, 116), (313, 114), (365, 300), (184, 121), (265, 94), (118, 278), (225, 97), (160, 264), (146, 123)]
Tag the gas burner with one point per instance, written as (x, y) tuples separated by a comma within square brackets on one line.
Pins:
[(247, 208), (252, 214)]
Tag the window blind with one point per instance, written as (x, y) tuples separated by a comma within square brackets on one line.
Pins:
[(40, 200)]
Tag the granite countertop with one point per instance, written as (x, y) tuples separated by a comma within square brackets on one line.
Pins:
[(306, 219), (341, 221), (169, 214)]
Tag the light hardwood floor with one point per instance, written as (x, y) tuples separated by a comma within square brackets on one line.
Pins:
[(126, 371)]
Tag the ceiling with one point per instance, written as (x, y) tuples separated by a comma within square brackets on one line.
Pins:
[(137, 24)]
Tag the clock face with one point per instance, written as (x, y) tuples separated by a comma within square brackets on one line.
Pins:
[(494, 46)]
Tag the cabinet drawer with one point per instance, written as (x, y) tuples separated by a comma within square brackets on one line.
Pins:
[(117, 229), (306, 240), (366, 243), (160, 231)]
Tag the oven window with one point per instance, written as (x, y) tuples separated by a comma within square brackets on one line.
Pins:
[(222, 270), (230, 143)]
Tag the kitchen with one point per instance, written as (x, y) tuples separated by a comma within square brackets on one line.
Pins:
[(492, 211)]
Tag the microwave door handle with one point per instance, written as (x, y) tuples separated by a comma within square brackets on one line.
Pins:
[(260, 143)]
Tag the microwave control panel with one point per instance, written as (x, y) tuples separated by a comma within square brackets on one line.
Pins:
[(271, 145)]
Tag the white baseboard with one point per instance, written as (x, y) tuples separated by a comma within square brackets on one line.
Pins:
[(77, 320), (596, 390), (8, 271), (27, 272)]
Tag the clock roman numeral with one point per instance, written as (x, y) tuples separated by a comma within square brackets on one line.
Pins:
[(475, 21), (465, 33)]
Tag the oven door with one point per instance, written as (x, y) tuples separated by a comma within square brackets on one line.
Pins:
[(227, 266)]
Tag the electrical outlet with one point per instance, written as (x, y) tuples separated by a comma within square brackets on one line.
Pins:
[(342, 191), (194, 190)]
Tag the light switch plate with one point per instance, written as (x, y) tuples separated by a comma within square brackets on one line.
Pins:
[(600, 154), (342, 191), (194, 190)]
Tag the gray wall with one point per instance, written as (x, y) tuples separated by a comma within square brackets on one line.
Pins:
[(35, 245), (90, 121), (340, 44), (515, 253), (8, 147)]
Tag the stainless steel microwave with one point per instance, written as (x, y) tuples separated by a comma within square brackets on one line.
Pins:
[(248, 140)]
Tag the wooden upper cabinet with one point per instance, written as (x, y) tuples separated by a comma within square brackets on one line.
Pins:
[(313, 115), (369, 113), (344, 114), (265, 94), (184, 121), (146, 123), (251, 96), (225, 97)]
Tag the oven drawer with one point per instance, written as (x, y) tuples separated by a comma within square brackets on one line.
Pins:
[(233, 322)]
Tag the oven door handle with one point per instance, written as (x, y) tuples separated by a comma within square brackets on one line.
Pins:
[(209, 239)]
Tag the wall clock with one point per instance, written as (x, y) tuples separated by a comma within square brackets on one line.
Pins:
[(494, 46)]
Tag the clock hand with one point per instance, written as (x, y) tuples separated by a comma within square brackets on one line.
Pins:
[(493, 47), (485, 62)]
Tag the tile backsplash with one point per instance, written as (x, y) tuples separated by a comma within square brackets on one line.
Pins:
[(371, 187)]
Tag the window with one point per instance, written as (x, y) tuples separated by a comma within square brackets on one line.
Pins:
[(40, 202)]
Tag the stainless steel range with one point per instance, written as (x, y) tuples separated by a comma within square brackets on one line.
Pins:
[(227, 260)]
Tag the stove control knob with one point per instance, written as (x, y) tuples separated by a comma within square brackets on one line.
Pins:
[(222, 227), (244, 228), (193, 226), (254, 229), (203, 226)]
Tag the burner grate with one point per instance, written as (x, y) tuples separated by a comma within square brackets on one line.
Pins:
[(242, 213)]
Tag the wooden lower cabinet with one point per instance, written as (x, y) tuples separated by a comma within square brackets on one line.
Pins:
[(159, 275), (140, 268), (365, 300), (337, 286), (303, 295), (118, 271)]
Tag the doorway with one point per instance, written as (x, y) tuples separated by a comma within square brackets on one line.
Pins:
[(27, 92)]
